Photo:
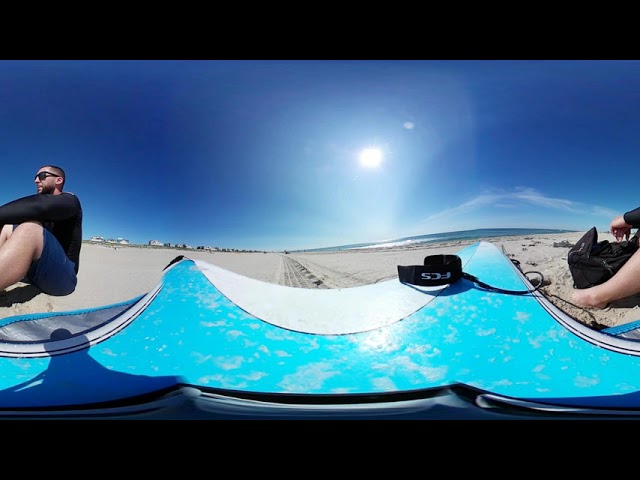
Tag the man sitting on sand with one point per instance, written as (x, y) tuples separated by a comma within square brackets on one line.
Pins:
[(41, 236), (626, 281)]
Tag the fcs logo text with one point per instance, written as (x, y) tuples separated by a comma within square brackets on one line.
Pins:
[(436, 276)]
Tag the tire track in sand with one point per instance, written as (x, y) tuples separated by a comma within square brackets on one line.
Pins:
[(293, 274)]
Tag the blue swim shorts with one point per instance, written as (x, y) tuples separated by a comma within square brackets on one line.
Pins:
[(53, 272)]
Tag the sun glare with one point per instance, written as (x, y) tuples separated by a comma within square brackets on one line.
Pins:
[(371, 157)]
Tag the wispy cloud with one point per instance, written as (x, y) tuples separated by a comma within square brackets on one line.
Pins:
[(604, 212), (529, 195), (518, 197)]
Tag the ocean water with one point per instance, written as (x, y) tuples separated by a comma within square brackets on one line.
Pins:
[(481, 233)]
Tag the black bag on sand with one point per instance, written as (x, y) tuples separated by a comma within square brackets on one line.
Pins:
[(592, 263)]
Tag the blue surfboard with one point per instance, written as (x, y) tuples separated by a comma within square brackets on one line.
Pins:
[(217, 344)]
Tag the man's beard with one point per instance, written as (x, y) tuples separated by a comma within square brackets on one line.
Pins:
[(47, 190)]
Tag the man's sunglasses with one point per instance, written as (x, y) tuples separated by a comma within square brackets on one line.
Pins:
[(42, 175)]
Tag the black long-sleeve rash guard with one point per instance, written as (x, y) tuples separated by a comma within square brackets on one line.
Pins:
[(633, 217), (61, 214)]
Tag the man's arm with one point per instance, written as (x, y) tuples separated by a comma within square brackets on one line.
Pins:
[(40, 207), (632, 218)]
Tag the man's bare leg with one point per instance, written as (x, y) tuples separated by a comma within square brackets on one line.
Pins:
[(624, 283), (5, 233), (18, 248)]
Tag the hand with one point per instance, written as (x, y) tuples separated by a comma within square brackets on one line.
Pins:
[(620, 229)]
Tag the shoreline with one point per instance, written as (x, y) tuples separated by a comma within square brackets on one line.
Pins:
[(111, 274), (390, 244)]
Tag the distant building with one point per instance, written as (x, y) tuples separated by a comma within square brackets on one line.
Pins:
[(121, 241), (155, 243)]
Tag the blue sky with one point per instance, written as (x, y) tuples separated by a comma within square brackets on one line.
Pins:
[(265, 154)]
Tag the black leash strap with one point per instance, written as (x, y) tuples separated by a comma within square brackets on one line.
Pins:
[(437, 270), (446, 269)]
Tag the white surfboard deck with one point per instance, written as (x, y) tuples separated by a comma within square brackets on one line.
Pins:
[(321, 311)]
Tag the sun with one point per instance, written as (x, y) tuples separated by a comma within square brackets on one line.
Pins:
[(371, 157)]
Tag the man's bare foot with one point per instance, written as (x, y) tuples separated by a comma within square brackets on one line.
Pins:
[(588, 298)]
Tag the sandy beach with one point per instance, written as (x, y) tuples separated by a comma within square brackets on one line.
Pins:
[(110, 275)]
